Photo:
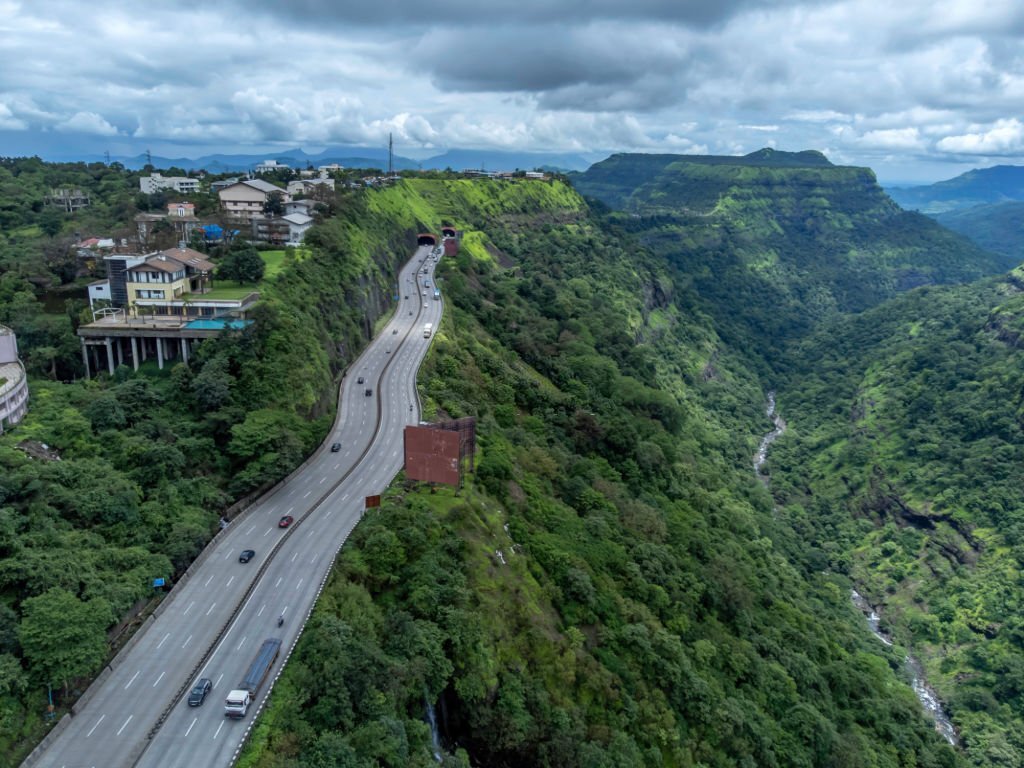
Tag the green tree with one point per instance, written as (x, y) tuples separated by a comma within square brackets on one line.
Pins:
[(274, 205), (242, 263), (63, 637)]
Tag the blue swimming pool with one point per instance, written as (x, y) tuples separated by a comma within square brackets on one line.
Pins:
[(205, 324)]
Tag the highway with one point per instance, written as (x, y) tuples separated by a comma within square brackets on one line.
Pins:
[(212, 623)]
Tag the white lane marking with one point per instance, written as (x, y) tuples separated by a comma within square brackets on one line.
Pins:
[(210, 579), (187, 641), (299, 584), (290, 510), (191, 726), (322, 479), (260, 611), (279, 579), (218, 680), (226, 556), (164, 640), (128, 685), (307, 494), (251, 529), (210, 611), (95, 726), (218, 729), (294, 556), (125, 724), (337, 465), (313, 558), (311, 533), (165, 671), (268, 531), (345, 497), (241, 643), (189, 608)]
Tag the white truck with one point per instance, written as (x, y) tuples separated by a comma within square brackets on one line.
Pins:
[(427, 330), (237, 702)]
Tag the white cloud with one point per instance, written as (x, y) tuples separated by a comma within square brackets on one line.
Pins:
[(1002, 138), (893, 138), (87, 122), (8, 121), (868, 78)]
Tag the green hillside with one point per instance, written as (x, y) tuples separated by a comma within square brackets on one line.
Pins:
[(770, 251), (997, 227), (611, 588), (904, 467)]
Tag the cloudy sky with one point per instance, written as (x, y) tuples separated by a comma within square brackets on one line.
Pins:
[(916, 89)]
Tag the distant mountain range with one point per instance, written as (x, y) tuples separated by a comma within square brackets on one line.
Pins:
[(986, 205), (998, 184), (360, 157)]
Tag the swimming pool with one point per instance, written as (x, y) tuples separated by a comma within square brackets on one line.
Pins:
[(205, 324)]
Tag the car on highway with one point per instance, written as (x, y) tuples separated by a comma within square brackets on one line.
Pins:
[(407, 295), (368, 392), (387, 351), (335, 447), (199, 691), (246, 556), (285, 521), (360, 380), (394, 331)]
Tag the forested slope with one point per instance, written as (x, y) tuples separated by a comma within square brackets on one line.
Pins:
[(904, 466), (139, 467), (611, 588), (773, 244)]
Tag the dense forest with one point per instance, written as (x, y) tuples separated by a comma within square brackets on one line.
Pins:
[(905, 468), (613, 586)]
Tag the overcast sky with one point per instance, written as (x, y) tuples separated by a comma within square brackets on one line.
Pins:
[(916, 89)]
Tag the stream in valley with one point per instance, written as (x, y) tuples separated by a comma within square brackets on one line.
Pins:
[(929, 701)]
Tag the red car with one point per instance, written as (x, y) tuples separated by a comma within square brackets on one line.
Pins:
[(285, 521)]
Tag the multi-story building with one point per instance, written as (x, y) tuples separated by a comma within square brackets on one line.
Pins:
[(153, 184), (170, 282), (70, 200), (269, 166), (13, 382), (245, 200)]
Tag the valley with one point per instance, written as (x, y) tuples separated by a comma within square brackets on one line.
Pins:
[(616, 584)]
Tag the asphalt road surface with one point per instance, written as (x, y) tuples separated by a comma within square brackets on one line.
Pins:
[(213, 623)]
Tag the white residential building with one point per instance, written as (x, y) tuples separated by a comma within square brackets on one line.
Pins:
[(269, 166), (152, 184), (244, 201), (298, 224), (13, 382)]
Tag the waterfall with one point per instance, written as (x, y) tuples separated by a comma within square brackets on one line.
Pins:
[(435, 736)]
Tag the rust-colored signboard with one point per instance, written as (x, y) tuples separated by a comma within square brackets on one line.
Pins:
[(432, 455), (372, 501)]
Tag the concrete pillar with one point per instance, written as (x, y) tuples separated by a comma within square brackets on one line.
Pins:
[(110, 355), (145, 348), (184, 350), (159, 353), (85, 357), (135, 353), (120, 351)]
